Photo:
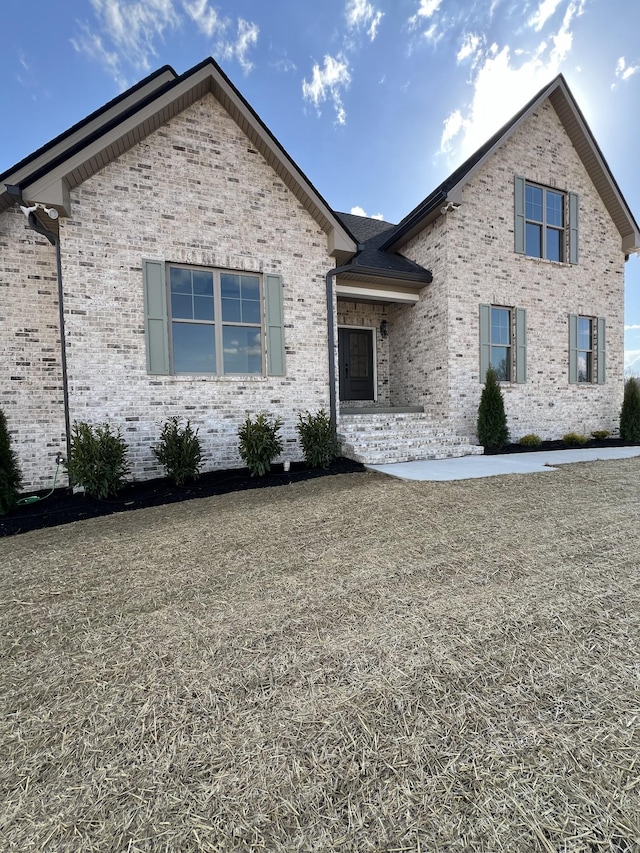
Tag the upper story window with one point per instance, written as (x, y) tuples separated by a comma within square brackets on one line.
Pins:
[(544, 210), (546, 222)]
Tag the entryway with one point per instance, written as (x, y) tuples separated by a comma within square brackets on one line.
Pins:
[(355, 356)]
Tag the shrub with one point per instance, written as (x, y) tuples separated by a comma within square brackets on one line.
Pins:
[(630, 414), (600, 434), (259, 444), (492, 421), (318, 439), (97, 460), (531, 440), (10, 475), (179, 451), (574, 439)]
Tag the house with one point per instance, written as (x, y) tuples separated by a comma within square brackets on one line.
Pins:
[(165, 256)]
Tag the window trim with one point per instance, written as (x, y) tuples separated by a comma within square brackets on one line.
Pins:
[(570, 215)]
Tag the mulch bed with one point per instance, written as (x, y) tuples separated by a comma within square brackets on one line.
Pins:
[(62, 507), (560, 445)]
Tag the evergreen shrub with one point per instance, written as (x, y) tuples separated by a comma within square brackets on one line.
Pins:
[(179, 450), (630, 414), (574, 439), (98, 460), (492, 429), (318, 439), (530, 440), (259, 443), (10, 475)]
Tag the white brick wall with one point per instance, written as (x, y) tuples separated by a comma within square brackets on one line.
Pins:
[(471, 254), (194, 192)]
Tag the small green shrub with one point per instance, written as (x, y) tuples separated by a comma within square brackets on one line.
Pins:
[(10, 475), (259, 444), (574, 439), (97, 460), (179, 450), (530, 440), (492, 421), (318, 439), (600, 434), (630, 414)]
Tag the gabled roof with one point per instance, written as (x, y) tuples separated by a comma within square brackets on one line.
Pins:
[(48, 175), (450, 190)]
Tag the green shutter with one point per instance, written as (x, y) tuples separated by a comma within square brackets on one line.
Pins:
[(573, 228), (601, 344), (573, 348), (521, 344), (519, 223), (155, 312), (485, 340), (275, 325)]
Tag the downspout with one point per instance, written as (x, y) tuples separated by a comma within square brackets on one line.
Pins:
[(331, 341), (54, 239)]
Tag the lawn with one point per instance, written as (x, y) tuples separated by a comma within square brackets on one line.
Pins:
[(346, 664)]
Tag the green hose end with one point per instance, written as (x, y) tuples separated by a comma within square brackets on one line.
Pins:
[(30, 500)]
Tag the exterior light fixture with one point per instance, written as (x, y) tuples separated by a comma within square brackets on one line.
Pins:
[(384, 329)]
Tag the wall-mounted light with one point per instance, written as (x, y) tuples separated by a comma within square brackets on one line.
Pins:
[(51, 212), (384, 329)]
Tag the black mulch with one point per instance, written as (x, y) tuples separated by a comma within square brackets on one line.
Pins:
[(63, 507), (560, 445)]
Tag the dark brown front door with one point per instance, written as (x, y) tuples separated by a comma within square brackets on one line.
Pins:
[(355, 354)]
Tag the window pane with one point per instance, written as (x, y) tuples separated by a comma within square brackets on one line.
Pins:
[(555, 209), (584, 367), (181, 306), (250, 311), (554, 244), (180, 280), (500, 331), (194, 348), (230, 285), (202, 283), (242, 349), (534, 240), (500, 363), (231, 312), (584, 333), (533, 208), (203, 308), (250, 287)]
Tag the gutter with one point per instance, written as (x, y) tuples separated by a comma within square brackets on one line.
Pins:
[(16, 194), (331, 341)]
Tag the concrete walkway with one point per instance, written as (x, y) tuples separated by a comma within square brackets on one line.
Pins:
[(472, 467)]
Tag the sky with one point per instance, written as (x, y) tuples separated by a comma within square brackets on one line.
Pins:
[(376, 100)]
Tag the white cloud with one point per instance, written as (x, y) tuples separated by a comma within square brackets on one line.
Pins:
[(205, 17), (361, 14), (328, 83), (633, 327), (624, 71), (132, 27), (359, 211), (544, 11), (91, 44), (246, 38), (632, 362), (470, 45), (502, 84), (428, 8)]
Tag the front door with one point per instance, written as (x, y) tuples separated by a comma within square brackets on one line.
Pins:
[(355, 354)]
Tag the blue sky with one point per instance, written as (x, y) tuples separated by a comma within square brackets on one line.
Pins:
[(376, 100)]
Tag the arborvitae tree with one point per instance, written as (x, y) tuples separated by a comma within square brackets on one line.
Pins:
[(492, 420), (630, 414), (10, 476)]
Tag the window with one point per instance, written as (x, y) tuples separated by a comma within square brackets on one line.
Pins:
[(503, 342), (546, 222), (500, 343), (544, 213), (587, 347), (209, 321), (216, 321)]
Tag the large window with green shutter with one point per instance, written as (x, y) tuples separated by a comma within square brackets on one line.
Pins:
[(212, 321), (546, 222)]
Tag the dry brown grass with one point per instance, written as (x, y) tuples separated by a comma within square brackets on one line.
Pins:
[(348, 664)]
